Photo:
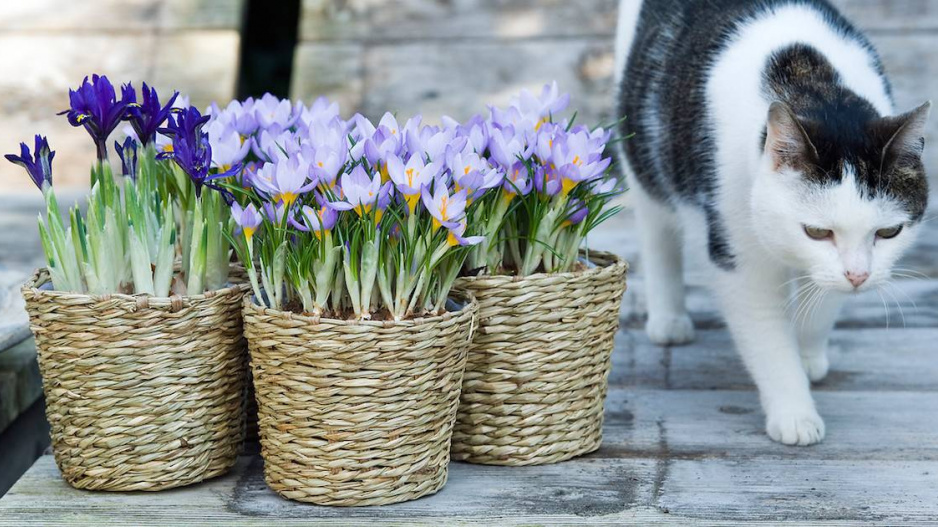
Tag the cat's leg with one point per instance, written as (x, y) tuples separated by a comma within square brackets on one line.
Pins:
[(753, 302), (661, 240), (813, 321)]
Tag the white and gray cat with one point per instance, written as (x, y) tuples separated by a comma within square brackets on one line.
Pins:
[(765, 128)]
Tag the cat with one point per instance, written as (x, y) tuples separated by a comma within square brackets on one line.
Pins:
[(766, 128)]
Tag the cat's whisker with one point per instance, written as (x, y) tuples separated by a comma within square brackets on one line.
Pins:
[(908, 297), (885, 306), (898, 305), (798, 295), (815, 304), (802, 312), (795, 279)]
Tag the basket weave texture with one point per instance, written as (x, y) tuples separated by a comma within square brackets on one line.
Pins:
[(142, 393), (356, 413), (537, 372)]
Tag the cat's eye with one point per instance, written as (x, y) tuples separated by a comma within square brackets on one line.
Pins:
[(890, 233), (816, 233)]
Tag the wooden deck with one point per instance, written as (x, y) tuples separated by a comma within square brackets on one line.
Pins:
[(684, 442)]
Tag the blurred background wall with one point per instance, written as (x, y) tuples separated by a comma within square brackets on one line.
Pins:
[(431, 56), (48, 46)]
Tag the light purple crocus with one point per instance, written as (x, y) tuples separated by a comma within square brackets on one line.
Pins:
[(456, 236), (360, 191), (446, 208), (577, 212), (318, 220), (270, 111), (228, 147), (410, 179), (284, 181), (247, 218)]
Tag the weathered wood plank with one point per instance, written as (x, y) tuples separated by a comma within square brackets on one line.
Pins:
[(580, 491), (806, 491), (461, 19), (696, 424), (861, 359), (20, 383)]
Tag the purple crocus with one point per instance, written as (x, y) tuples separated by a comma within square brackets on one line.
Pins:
[(577, 212), (456, 236), (411, 178), (148, 115), (94, 105), (360, 190), (447, 209), (37, 164), (319, 220), (284, 181), (128, 156), (247, 219)]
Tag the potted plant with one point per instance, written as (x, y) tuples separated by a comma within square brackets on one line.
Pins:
[(137, 326), (352, 235), (537, 371)]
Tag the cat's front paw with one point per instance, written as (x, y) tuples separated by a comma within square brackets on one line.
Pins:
[(816, 366), (670, 329), (801, 427)]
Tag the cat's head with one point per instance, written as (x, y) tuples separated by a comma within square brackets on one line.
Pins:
[(841, 200)]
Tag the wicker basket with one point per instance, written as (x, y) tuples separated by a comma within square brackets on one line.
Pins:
[(142, 393), (356, 413), (537, 373)]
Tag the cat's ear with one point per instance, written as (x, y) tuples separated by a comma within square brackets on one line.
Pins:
[(906, 134), (786, 142)]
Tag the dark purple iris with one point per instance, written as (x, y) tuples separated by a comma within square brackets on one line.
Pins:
[(148, 115), (39, 165), (94, 105), (128, 154), (192, 151)]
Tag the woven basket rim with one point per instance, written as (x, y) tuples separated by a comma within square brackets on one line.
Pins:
[(605, 262), (469, 308), (41, 276)]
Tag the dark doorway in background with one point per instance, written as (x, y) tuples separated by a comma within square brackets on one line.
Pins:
[(268, 42)]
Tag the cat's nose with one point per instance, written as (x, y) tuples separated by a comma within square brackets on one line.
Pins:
[(857, 279)]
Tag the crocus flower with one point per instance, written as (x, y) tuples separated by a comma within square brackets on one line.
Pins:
[(319, 220), (325, 162), (274, 213), (228, 147), (94, 105), (284, 181), (360, 190), (507, 147), (577, 212), (128, 156), (517, 181), (148, 115), (456, 236), (576, 160), (550, 102), (410, 179), (270, 111), (247, 219), (547, 181), (38, 164), (472, 173), (446, 208)]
